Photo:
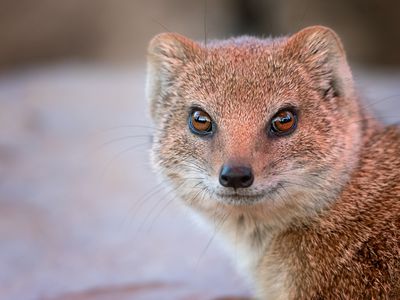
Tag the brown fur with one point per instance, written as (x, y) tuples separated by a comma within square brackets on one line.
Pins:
[(322, 219)]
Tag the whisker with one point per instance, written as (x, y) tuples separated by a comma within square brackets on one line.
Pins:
[(106, 166), (124, 138), (132, 126), (147, 196), (160, 24), (170, 192), (167, 204), (137, 205), (368, 105), (304, 14), (159, 213), (281, 184), (154, 207), (276, 191), (283, 188), (217, 229), (198, 193), (376, 117), (205, 23)]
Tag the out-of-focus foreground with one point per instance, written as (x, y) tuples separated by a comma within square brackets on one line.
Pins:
[(81, 215)]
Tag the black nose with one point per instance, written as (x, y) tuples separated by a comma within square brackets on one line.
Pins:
[(236, 176)]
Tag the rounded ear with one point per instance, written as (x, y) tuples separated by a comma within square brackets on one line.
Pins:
[(167, 54), (322, 53), (171, 46)]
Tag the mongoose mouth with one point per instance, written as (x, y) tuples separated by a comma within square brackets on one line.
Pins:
[(240, 199)]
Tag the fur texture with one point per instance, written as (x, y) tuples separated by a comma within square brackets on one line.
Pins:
[(322, 219)]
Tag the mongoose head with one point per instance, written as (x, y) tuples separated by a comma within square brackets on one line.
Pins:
[(268, 127)]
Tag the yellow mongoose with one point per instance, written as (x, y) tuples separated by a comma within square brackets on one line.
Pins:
[(267, 140)]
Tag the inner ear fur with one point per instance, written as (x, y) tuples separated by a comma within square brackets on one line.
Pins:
[(167, 55), (322, 53)]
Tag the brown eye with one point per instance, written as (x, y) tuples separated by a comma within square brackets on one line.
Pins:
[(200, 122), (284, 122)]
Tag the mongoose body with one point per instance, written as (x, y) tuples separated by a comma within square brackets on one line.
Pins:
[(266, 140)]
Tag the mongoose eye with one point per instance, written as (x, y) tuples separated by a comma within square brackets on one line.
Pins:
[(200, 122), (284, 122)]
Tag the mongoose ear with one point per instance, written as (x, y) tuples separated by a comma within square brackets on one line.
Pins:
[(168, 54), (172, 46), (320, 50)]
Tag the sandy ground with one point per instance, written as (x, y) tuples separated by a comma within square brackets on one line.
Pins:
[(81, 214)]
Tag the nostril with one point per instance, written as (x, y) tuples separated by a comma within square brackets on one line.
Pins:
[(245, 179), (224, 178)]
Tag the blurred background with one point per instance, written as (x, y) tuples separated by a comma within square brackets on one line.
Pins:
[(81, 215)]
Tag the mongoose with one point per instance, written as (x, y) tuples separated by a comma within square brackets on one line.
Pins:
[(266, 140)]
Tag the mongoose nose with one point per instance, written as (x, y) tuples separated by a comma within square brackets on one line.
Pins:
[(236, 176)]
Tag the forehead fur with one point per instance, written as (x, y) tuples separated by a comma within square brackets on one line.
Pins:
[(247, 71), (241, 75)]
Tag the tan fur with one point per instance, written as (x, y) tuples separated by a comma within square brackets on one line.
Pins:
[(322, 219)]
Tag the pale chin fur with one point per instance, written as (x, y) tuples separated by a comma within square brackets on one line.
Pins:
[(238, 241)]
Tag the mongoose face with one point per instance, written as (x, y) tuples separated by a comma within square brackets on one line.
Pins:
[(269, 127)]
